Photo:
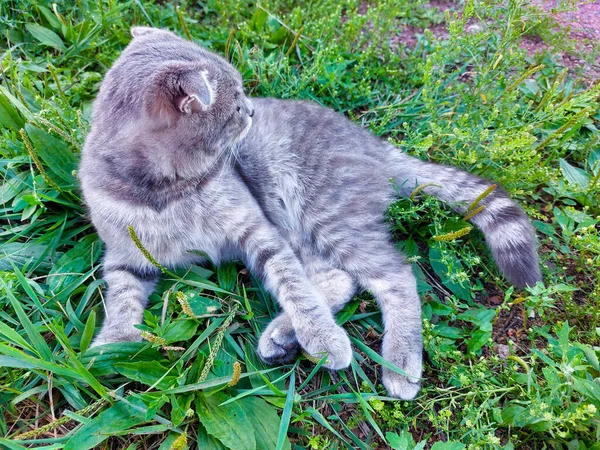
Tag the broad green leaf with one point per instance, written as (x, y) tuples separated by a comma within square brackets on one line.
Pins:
[(9, 116), (179, 407), (445, 330), (104, 358), (594, 161), (478, 340), (346, 312), (49, 16), (588, 388), (180, 330), (590, 354), (399, 442), (510, 413), (265, 422), (56, 155), (202, 305), (45, 36), (147, 372), (19, 254), (228, 423), (113, 421), (574, 175), (208, 442), (546, 228)]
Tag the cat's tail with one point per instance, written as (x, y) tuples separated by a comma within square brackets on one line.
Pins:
[(508, 231)]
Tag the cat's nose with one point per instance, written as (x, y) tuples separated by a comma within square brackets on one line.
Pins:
[(251, 112)]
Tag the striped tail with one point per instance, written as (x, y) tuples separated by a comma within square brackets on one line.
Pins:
[(508, 231)]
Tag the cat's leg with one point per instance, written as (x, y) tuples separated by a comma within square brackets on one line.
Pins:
[(124, 302), (381, 270), (271, 258), (278, 343)]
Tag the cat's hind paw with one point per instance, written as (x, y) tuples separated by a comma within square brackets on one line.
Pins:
[(400, 386)]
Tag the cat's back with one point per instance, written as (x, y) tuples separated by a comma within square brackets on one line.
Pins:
[(300, 158)]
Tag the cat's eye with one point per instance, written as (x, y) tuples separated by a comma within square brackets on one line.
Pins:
[(238, 109)]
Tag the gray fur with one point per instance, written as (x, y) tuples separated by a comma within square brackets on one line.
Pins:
[(299, 196)]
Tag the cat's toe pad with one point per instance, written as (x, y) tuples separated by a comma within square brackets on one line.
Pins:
[(278, 343)]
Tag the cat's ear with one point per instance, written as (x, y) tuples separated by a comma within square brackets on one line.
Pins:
[(198, 94), (180, 89), (141, 31)]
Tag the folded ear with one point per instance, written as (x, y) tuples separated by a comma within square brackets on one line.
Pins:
[(180, 89), (141, 31)]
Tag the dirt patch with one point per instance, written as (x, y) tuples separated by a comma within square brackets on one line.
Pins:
[(582, 27)]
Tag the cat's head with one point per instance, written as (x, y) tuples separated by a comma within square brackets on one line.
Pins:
[(170, 89)]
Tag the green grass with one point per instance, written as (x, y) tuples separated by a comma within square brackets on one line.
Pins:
[(504, 369)]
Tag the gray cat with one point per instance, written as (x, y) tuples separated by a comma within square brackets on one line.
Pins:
[(294, 190)]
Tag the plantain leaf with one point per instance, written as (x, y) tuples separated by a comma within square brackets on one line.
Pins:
[(180, 330), (228, 423), (103, 359), (207, 442), (574, 175), (202, 305), (114, 420), (45, 36), (9, 116), (265, 421), (147, 372)]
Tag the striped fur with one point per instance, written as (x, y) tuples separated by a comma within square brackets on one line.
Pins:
[(294, 190)]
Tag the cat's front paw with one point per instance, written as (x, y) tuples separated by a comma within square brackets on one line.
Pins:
[(110, 334), (330, 341), (400, 386), (278, 343)]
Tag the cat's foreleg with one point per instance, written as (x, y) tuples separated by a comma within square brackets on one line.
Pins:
[(124, 302), (278, 343), (272, 259)]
